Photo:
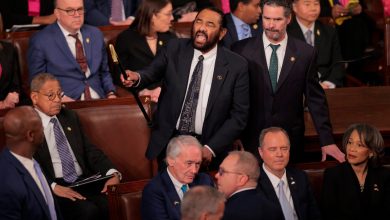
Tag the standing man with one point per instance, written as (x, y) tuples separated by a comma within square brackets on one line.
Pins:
[(162, 196), (323, 38), (282, 74), (75, 53), (243, 21), (24, 191), (237, 179), (287, 188), (67, 156), (205, 90)]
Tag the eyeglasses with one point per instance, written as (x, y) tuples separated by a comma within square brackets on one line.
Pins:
[(221, 171), (72, 12), (52, 95)]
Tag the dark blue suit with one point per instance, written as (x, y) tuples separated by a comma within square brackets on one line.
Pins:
[(98, 12), (20, 197), (303, 198), (49, 52), (160, 199)]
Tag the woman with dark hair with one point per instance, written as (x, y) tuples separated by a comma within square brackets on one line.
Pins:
[(138, 45), (360, 187)]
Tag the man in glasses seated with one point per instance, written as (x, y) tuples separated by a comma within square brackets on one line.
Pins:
[(67, 156), (75, 53)]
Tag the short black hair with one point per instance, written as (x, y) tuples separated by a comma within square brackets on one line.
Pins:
[(217, 10), (286, 4), (234, 4)]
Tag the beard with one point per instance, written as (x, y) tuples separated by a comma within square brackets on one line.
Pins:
[(275, 35), (208, 44)]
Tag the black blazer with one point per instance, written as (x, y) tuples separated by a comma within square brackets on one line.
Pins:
[(250, 205), (298, 183), (228, 102), (90, 158), (284, 108), (327, 44), (342, 198), (232, 35)]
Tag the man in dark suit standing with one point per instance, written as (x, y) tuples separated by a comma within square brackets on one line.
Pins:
[(243, 21), (323, 38), (287, 188), (67, 156), (237, 179), (75, 53), (24, 191), (282, 73), (205, 90), (162, 196)]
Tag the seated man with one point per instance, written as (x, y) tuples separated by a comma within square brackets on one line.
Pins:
[(24, 191), (67, 156), (243, 21), (237, 179), (162, 196), (203, 203), (74, 53), (287, 188), (306, 27)]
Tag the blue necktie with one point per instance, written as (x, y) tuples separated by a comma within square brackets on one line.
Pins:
[(273, 66), (184, 188), (245, 31), (288, 212), (46, 190), (68, 167)]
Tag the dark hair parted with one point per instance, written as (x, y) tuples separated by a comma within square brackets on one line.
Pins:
[(370, 137), (234, 4), (145, 12), (286, 4), (216, 10)]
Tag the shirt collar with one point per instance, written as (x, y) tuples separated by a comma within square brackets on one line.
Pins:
[(44, 118), (208, 55), (24, 160), (283, 43), (65, 32), (274, 179), (175, 182), (304, 28)]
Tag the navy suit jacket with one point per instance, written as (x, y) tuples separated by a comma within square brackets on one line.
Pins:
[(250, 205), (20, 197), (298, 183), (228, 101), (326, 42), (232, 35), (98, 12), (284, 108), (160, 199), (49, 52)]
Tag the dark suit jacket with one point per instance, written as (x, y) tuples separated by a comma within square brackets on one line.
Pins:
[(284, 108), (16, 11), (89, 157), (228, 102), (20, 197), (303, 198), (342, 198), (232, 35), (98, 12), (160, 199), (327, 44), (49, 52), (250, 205)]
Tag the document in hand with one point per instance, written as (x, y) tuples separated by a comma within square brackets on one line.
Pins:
[(96, 182)]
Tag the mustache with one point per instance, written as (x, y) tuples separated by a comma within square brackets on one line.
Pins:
[(202, 32), (272, 30)]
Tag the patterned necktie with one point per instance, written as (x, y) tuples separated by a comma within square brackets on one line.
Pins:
[(46, 190), (187, 118), (245, 31), (117, 10), (273, 66), (308, 37), (68, 167), (82, 61), (288, 212)]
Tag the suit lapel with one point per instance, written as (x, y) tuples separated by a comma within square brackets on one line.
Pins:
[(259, 55), (317, 35), (288, 62), (63, 45), (44, 154), (268, 189), (293, 186), (87, 44), (171, 192), (232, 28)]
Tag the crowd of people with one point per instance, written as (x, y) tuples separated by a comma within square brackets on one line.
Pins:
[(241, 79)]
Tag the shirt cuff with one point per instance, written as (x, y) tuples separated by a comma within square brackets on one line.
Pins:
[(139, 79), (53, 185), (329, 84), (212, 152), (111, 171)]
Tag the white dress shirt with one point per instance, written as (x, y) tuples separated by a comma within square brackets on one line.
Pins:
[(280, 52), (177, 185)]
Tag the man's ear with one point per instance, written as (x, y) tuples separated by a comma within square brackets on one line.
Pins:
[(260, 151), (170, 161), (222, 33), (34, 97)]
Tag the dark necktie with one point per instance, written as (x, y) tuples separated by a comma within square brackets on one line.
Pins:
[(80, 58), (116, 10), (273, 66), (68, 167), (187, 118)]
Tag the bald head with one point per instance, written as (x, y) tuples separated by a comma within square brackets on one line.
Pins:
[(23, 130)]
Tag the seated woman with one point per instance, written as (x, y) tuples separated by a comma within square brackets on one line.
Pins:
[(358, 188), (138, 45)]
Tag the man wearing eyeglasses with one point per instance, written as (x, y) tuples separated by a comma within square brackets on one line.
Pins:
[(237, 179), (67, 156), (75, 53), (287, 188)]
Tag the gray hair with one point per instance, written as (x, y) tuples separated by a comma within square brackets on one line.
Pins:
[(272, 130), (200, 199), (176, 145), (40, 79), (247, 164)]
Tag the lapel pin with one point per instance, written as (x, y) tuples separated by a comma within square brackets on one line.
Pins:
[(176, 203), (160, 42), (219, 77), (376, 188), (292, 59), (255, 26), (318, 32), (69, 128), (87, 40), (292, 181)]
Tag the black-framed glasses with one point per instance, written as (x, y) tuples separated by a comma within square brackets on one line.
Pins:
[(222, 171), (52, 95), (72, 12)]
